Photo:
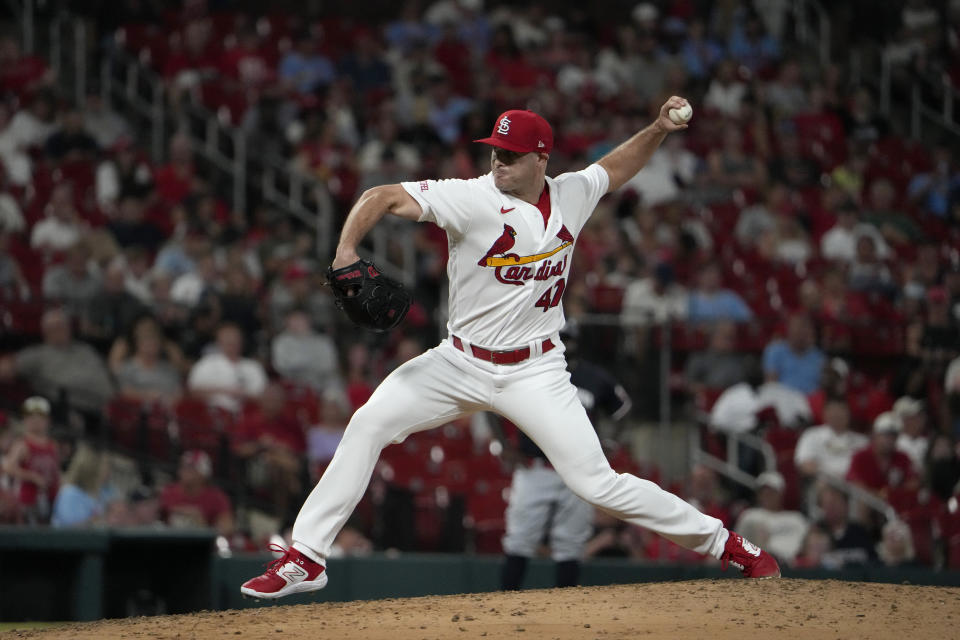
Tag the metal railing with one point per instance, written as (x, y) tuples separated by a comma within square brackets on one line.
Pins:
[(25, 16), (857, 495), (141, 94), (923, 114), (125, 79), (67, 35), (913, 103), (730, 469), (286, 187), (812, 27)]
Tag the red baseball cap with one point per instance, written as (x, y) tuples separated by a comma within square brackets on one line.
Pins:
[(937, 294), (521, 131), (199, 460)]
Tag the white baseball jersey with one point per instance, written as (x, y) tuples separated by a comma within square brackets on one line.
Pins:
[(507, 273)]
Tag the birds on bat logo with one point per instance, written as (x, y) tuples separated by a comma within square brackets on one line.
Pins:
[(511, 268), (503, 244)]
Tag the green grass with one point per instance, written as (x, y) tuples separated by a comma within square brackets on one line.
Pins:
[(10, 626)]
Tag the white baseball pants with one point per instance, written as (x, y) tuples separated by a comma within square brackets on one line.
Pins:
[(445, 383)]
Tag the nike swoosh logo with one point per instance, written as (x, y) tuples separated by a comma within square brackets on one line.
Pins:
[(502, 210)]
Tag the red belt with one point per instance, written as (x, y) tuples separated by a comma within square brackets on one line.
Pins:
[(501, 357)]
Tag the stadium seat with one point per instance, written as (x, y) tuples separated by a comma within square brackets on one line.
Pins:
[(200, 426), (486, 507), (142, 428), (784, 443), (303, 403), (21, 318)]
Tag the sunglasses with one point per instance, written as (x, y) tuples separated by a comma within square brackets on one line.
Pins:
[(506, 156)]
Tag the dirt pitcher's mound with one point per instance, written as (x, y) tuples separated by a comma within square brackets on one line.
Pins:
[(721, 609)]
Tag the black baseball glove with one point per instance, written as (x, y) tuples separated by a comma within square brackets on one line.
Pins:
[(368, 297)]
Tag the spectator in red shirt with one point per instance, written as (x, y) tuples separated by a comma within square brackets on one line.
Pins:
[(245, 62), (192, 53), (33, 462), (880, 468), (270, 426), (834, 383), (175, 180), (272, 442), (192, 501), (455, 57), (21, 74), (192, 57), (359, 387)]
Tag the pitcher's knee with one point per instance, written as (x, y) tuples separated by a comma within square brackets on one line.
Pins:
[(370, 429), (596, 487)]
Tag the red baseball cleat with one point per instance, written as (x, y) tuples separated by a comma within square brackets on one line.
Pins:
[(291, 573), (753, 561)]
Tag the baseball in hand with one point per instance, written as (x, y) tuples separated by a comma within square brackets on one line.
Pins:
[(681, 115)]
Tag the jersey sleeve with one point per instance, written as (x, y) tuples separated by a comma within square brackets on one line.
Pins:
[(443, 202), (582, 191)]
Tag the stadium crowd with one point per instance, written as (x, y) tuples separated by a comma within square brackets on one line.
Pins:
[(798, 252)]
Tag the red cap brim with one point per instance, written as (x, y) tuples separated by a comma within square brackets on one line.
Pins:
[(504, 144)]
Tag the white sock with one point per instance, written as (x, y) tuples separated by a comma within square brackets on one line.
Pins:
[(719, 545), (310, 553)]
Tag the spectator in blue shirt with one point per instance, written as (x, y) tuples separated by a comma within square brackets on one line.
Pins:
[(934, 189), (710, 303), (699, 53), (365, 67), (304, 68), (751, 46), (446, 110), (795, 361), (84, 496), (408, 30)]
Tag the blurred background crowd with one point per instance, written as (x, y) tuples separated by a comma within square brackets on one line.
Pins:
[(782, 280)]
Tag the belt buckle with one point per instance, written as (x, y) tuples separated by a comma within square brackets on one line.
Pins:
[(501, 357), (510, 357)]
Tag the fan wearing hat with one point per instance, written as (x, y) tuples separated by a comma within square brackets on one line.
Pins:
[(192, 501), (33, 462), (880, 468), (767, 523)]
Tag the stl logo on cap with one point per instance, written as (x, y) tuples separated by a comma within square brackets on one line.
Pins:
[(521, 131)]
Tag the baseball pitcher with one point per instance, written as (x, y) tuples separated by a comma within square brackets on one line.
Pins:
[(511, 233)]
